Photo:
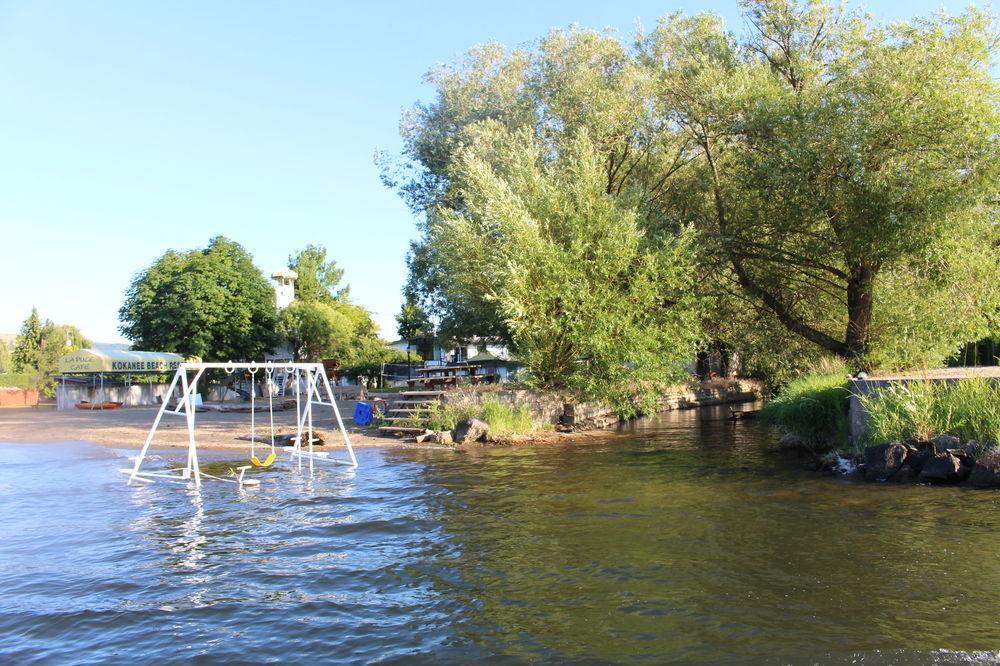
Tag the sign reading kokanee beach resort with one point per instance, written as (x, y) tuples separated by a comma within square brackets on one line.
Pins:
[(94, 360)]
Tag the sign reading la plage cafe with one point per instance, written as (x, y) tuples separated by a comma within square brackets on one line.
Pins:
[(86, 360)]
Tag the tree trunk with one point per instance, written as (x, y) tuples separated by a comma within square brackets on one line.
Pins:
[(859, 313)]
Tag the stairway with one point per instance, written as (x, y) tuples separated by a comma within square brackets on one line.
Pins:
[(410, 403)]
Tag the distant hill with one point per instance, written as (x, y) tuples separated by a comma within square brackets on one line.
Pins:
[(8, 338)]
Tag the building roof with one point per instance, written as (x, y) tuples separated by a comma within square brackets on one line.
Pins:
[(118, 360), (285, 273)]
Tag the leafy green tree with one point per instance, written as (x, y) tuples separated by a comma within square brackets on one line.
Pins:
[(314, 328), (323, 323), (318, 279), (6, 364), (592, 305), (56, 340), (212, 303), (848, 167), (414, 325), (832, 167), (27, 343)]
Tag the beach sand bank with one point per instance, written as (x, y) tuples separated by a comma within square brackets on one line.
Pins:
[(127, 428)]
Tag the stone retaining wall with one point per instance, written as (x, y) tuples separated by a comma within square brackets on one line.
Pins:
[(562, 409)]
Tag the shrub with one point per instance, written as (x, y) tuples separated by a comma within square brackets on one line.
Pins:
[(25, 380), (814, 407), (968, 409)]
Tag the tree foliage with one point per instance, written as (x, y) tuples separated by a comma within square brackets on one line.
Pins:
[(6, 363), (847, 167), (591, 304), (318, 278), (213, 303), (28, 343), (322, 323), (841, 175), (39, 346)]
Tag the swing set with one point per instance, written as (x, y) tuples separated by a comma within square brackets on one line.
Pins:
[(316, 383)]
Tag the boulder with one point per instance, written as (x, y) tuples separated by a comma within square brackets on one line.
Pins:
[(904, 474), (986, 471), (917, 459), (884, 460), (440, 437), (944, 468), (942, 443), (471, 430)]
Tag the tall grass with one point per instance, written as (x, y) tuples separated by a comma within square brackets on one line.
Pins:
[(814, 407), (503, 418), (968, 409)]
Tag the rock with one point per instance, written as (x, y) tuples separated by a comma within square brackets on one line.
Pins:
[(942, 443), (884, 460), (985, 475), (917, 459), (440, 437), (471, 430), (944, 468), (904, 474)]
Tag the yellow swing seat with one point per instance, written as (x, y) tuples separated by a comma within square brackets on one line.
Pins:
[(256, 462)]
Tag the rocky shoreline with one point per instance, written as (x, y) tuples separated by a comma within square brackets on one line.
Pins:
[(942, 460)]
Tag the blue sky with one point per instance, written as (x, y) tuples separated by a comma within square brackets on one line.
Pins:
[(127, 128)]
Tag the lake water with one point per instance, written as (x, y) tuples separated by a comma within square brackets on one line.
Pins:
[(683, 541)]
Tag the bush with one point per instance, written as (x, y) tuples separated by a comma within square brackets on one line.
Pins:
[(25, 380), (814, 407), (919, 410)]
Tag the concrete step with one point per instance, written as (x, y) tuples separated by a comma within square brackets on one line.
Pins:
[(402, 430)]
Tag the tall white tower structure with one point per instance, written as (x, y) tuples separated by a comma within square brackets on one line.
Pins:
[(284, 287)]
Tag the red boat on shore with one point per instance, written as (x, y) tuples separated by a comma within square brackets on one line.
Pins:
[(98, 405)]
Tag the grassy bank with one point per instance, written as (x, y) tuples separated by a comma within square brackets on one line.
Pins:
[(814, 407), (503, 418), (919, 410)]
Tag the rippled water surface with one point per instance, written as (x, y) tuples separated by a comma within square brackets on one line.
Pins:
[(682, 539)]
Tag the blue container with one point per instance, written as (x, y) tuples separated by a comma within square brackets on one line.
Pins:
[(362, 413)]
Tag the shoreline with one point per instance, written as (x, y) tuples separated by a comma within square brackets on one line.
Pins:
[(127, 429)]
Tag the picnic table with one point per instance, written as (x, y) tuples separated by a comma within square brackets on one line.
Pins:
[(444, 376)]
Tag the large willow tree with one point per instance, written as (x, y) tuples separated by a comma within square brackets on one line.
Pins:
[(590, 302), (841, 175), (851, 171)]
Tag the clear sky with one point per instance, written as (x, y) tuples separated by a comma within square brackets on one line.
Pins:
[(127, 128)]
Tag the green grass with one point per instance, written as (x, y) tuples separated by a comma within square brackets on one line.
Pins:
[(814, 407), (503, 418), (919, 410)]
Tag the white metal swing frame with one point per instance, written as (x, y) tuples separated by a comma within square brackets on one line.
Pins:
[(316, 379)]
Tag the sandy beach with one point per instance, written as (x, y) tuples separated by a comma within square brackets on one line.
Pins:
[(127, 428)]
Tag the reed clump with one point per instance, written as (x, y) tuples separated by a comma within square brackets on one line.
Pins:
[(918, 410), (814, 407)]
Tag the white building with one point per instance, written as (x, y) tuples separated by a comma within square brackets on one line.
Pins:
[(284, 287), (284, 294)]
